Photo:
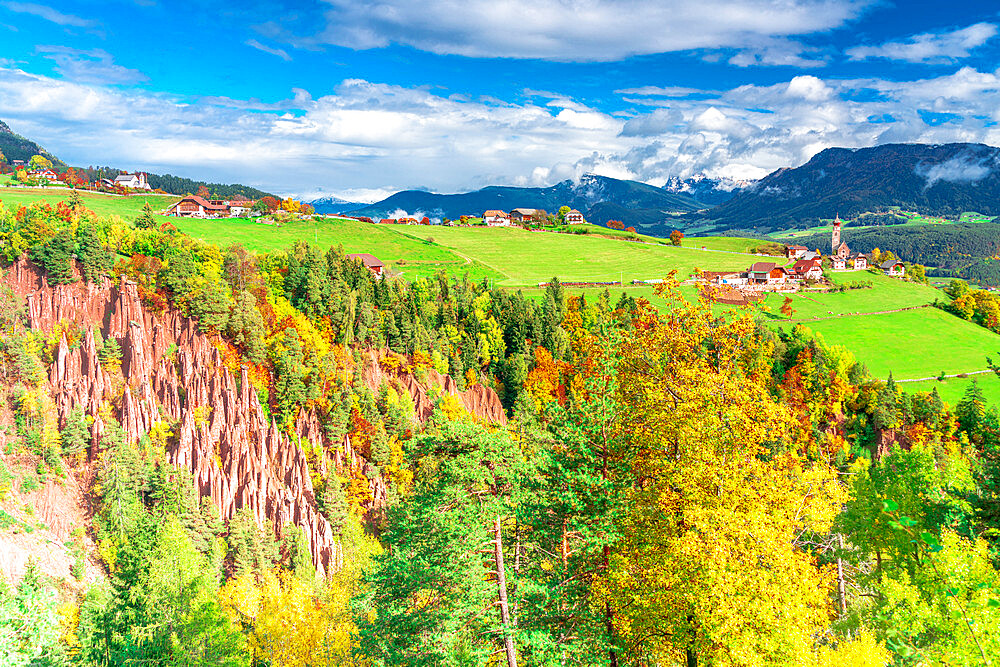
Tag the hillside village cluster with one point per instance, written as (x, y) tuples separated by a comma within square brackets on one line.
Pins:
[(808, 267)]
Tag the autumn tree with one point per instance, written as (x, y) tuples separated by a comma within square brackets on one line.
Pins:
[(39, 162), (615, 224), (718, 507), (676, 237), (203, 192)]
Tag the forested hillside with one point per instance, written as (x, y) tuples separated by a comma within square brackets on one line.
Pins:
[(180, 186), (15, 147), (292, 462), (941, 179), (963, 250)]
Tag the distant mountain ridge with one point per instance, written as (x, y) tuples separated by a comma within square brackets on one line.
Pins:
[(939, 179), (636, 203), (711, 191), (15, 147), (334, 205)]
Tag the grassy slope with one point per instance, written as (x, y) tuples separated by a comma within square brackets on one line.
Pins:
[(528, 258), (886, 294), (911, 344), (101, 204), (952, 389), (406, 254)]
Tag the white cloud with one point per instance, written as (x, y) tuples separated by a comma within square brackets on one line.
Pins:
[(49, 14), (93, 66), (943, 47), (573, 30), (281, 53), (369, 138), (776, 52)]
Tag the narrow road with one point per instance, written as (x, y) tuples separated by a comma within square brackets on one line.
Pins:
[(947, 376), (876, 312)]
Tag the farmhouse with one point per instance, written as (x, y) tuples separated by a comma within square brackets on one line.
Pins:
[(839, 263), (893, 267), (387, 221), (574, 217), (194, 206), (374, 264), (239, 207), (494, 218), (136, 181), (859, 262), (795, 251), (46, 174), (808, 269), (760, 272), (522, 214)]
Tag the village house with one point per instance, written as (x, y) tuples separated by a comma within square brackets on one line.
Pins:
[(374, 264), (193, 206), (43, 174), (18, 164), (859, 262), (808, 269), (136, 181), (839, 263), (759, 272), (239, 207), (574, 217), (893, 267), (522, 214), (795, 251), (494, 218)]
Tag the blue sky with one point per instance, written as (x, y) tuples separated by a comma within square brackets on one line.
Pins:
[(359, 99)]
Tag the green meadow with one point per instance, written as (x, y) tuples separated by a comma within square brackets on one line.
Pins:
[(528, 258), (101, 204), (407, 255), (911, 344)]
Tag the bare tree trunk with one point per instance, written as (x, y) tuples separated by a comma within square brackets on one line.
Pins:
[(508, 639), (841, 586)]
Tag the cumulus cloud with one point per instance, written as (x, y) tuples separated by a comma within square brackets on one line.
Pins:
[(49, 14), (368, 137), (90, 66), (930, 47), (573, 30)]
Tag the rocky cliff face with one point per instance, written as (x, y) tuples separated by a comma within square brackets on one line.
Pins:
[(238, 457)]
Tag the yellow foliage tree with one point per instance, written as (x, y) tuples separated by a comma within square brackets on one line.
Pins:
[(710, 567)]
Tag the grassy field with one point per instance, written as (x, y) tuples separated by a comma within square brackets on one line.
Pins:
[(952, 389), (407, 255), (911, 344), (528, 258), (885, 294), (101, 204)]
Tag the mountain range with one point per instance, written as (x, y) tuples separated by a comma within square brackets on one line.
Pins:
[(596, 196), (938, 179)]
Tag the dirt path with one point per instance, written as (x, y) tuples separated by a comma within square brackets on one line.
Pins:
[(877, 312), (947, 376)]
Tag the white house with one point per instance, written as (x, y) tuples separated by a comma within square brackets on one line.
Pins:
[(893, 267), (136, 181), (494, 218), (574, 217)]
